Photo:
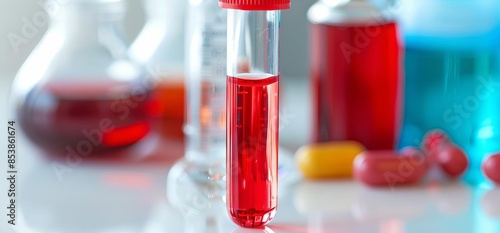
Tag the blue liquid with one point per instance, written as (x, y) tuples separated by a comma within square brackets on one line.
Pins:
[(457, 91)]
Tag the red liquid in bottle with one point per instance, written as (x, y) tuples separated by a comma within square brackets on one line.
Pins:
[(95, 118), (252, 149), (356, 84)]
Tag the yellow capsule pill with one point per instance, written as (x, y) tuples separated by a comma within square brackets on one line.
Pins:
[(328, 160)]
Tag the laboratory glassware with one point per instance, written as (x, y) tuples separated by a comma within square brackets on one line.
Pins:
[(160, 47), (78, 91), (452, 70), (206, 65), (355, 72), (252, 109)]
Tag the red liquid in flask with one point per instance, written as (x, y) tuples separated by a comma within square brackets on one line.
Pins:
[(252, 161), (356, 84), (104, 116)]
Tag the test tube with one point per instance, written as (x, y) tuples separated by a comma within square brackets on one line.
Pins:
[(252, 109)]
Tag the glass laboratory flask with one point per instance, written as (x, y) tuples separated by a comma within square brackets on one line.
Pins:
[(355, 72), (160, 47), (78, 91), (452, 69)]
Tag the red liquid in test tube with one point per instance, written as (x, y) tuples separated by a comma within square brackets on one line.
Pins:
[(252, 104), (252, 109)]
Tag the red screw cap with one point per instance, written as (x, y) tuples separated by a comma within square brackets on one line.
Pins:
[(255, 5)]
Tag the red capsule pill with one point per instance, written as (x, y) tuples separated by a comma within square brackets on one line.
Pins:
[(433, 139), (451, 158), (390, 168), (491, 168)]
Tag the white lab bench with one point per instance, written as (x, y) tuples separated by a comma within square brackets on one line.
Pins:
[(132, 195)]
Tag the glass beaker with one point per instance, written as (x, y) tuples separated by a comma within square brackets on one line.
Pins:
[(78, 90), (355, 72)]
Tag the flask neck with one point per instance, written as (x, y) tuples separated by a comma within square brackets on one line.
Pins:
[(169, 13), (159, 9), (89, 20)]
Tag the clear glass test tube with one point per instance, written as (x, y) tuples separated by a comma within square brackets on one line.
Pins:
[(252, 101)]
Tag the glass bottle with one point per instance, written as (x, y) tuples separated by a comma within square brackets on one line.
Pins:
[(206, 62), (78, 91), (160, 47), (252, 106), (452, 69), (355, 72), (204, 161)]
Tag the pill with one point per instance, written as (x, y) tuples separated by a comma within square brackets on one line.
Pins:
[(434, 138), (451, 159), (390, 168), (491, 168), (328, 160)]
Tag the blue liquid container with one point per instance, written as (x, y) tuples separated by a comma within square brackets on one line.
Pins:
[(452, 73)]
